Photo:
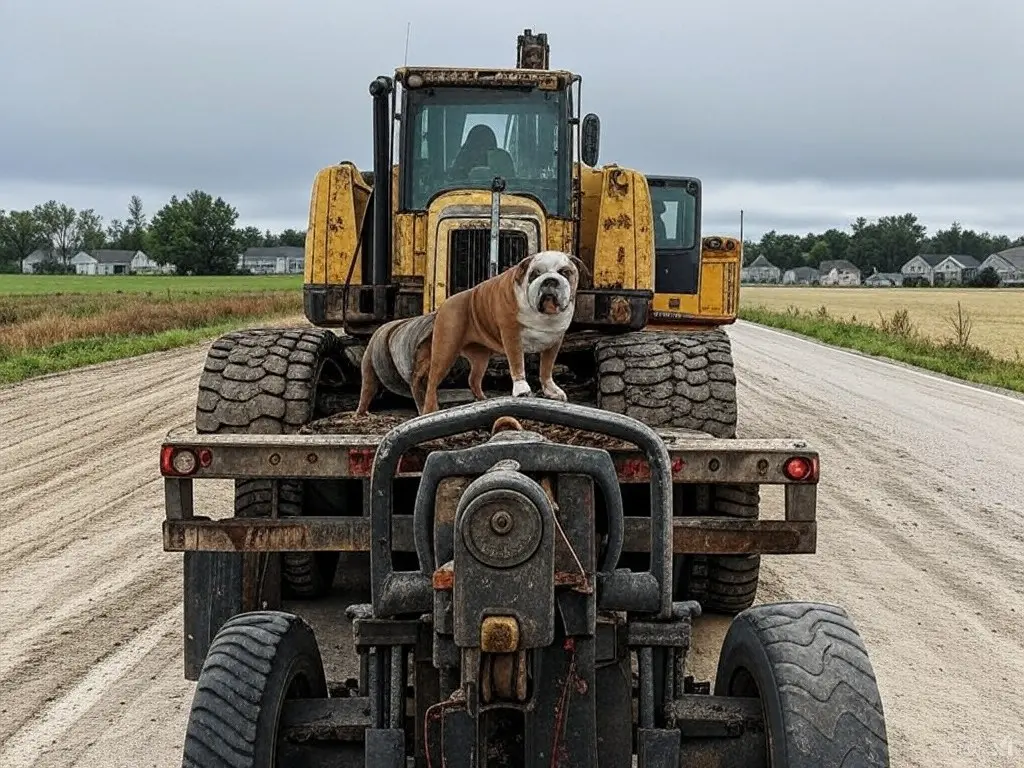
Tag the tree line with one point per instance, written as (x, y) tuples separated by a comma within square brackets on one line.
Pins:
[(197, 234), (884, 245)]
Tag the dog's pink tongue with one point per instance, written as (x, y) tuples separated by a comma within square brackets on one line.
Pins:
[(549, 305)]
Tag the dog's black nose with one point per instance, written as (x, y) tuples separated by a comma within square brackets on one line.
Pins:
[(549, 282)]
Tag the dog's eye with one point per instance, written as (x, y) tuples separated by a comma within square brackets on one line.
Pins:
[(565, 272), (534, 275)]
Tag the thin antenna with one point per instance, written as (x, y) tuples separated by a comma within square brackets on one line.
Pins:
[(408, 29)]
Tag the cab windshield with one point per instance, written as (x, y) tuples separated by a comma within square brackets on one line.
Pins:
[(459, 138)]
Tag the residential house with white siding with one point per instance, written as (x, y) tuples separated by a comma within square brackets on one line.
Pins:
[(956, 269), (838, 272), (800, 276), (760, 271), (1008, 264)]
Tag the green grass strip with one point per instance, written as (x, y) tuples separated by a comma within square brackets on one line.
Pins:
[(967, 362)]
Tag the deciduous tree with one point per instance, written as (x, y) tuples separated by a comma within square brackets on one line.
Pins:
[(197, 234)]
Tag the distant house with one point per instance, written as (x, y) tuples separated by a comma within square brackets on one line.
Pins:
[(142, 264), (941, 268), (838, 272), (1008, 264), (760, 271), (884, 280), (281, 260), (34, 259), (103, 262), (956, 269), (800, 276)]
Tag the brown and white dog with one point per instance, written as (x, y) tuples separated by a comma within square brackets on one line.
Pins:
[(524, 310)]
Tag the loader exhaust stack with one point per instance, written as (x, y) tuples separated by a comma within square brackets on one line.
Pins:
[(381, 89)]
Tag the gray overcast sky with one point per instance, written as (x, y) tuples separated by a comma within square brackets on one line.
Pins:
[(805, 113)]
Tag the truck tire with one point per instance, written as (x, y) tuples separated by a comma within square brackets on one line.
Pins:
[(686, 380), (256, 662), (265, 381), (807, 664)]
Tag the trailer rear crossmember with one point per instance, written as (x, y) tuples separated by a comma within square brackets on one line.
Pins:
[(186, 457)]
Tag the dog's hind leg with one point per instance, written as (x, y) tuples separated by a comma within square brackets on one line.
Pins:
[(420, 371), (478, 357), (370, 384), (442, 356)]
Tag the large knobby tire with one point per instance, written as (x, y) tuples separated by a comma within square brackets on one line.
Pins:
[(264, 381), (685, 380), (256, 662), (726, 584), (809, 667)]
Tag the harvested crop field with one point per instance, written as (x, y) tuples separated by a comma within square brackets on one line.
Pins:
[(997, 314), (77, 322)]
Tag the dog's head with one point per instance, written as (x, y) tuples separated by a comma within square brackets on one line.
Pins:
[(547, 281)]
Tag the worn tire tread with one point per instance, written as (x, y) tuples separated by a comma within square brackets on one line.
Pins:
[(831, 709), (686, 380), (234, 685), (262, 381)]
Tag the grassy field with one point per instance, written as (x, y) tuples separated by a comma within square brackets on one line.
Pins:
[(37, 285), (55, 323), (996, 314)]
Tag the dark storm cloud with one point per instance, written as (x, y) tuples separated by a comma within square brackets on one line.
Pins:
[(248, 98)]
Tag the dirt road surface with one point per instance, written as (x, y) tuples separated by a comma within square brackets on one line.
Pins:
[(921, 538)]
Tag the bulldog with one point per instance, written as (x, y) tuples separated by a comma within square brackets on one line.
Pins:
[(524, 310)]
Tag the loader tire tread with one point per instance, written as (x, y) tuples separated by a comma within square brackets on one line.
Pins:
[(262, 380), (664, 379)]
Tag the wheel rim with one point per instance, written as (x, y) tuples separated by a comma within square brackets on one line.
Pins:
[(742, 684), (300, 686)]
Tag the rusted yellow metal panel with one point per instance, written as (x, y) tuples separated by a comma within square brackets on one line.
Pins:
[(560, 235), (624, 242), (718, 289), (591, 185), (338, 201), (315, 269)]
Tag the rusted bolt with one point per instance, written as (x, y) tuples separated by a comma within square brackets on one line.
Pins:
[(275, 459), (501, 522), (312, 458), (714, 465), (762, 466)]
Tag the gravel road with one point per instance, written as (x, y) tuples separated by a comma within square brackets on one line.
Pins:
[(921, 538)]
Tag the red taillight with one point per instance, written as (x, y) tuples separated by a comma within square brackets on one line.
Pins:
[(205, 457), (178, 462), (799, 468), (360, 461)]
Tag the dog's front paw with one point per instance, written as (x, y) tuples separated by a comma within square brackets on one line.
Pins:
[(554, 391), (521, 388)]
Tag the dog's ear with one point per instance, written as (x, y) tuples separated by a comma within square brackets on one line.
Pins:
[(522, 268), (584, 272)]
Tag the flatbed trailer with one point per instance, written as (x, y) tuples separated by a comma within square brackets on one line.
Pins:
[(227, 568), (527, 517)]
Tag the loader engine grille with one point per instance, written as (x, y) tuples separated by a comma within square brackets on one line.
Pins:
[(469, 252)]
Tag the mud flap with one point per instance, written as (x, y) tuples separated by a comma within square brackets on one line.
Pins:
[(219, 585)]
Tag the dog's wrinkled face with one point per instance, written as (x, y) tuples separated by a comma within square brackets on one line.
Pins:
[(546, 282)]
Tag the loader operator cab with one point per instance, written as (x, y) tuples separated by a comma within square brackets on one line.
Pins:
[(460, 137)]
